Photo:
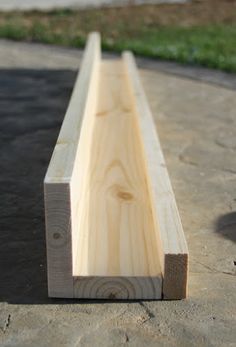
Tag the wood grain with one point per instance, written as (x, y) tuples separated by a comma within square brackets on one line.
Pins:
[(172, 245), (63, 159), (117, 236), (112, 225), (58, 180), (58, 238), (116, 287)]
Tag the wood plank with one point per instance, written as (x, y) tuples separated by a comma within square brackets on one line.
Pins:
[(112, 224), (114, 213), (58, 179), (171, 240), (62, 163), (116, 230)]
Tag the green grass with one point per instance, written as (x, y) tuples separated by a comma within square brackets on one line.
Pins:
[(211, 45)]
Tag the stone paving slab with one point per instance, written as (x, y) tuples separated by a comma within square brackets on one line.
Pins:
[(196, 123)]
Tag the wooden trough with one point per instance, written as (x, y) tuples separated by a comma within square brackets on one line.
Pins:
[(113, 229)]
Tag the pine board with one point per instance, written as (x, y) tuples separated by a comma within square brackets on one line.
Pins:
[(112, 225)]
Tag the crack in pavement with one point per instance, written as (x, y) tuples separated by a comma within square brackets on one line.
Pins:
[(213, 270), (6, 324), (147, 311)]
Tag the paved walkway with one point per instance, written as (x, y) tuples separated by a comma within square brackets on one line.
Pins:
[(48, 4), (196, 123)]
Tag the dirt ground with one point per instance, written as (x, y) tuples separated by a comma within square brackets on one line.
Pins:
[(195, 12)]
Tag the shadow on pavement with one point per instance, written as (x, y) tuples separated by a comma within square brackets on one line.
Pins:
[(226, 226), (33, 104)]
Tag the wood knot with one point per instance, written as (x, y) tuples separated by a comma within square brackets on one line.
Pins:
[(112, 296), (56, 236), (124, 195), (102, 114)]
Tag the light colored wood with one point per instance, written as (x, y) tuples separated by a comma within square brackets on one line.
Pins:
[(117, 234), (58, 180), (58, 239), (171, 240), (63, 161), (117, 243), (117, 287), (108, 195)]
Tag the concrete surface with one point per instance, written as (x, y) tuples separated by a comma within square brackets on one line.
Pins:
[(196, 123), (49, 4)]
